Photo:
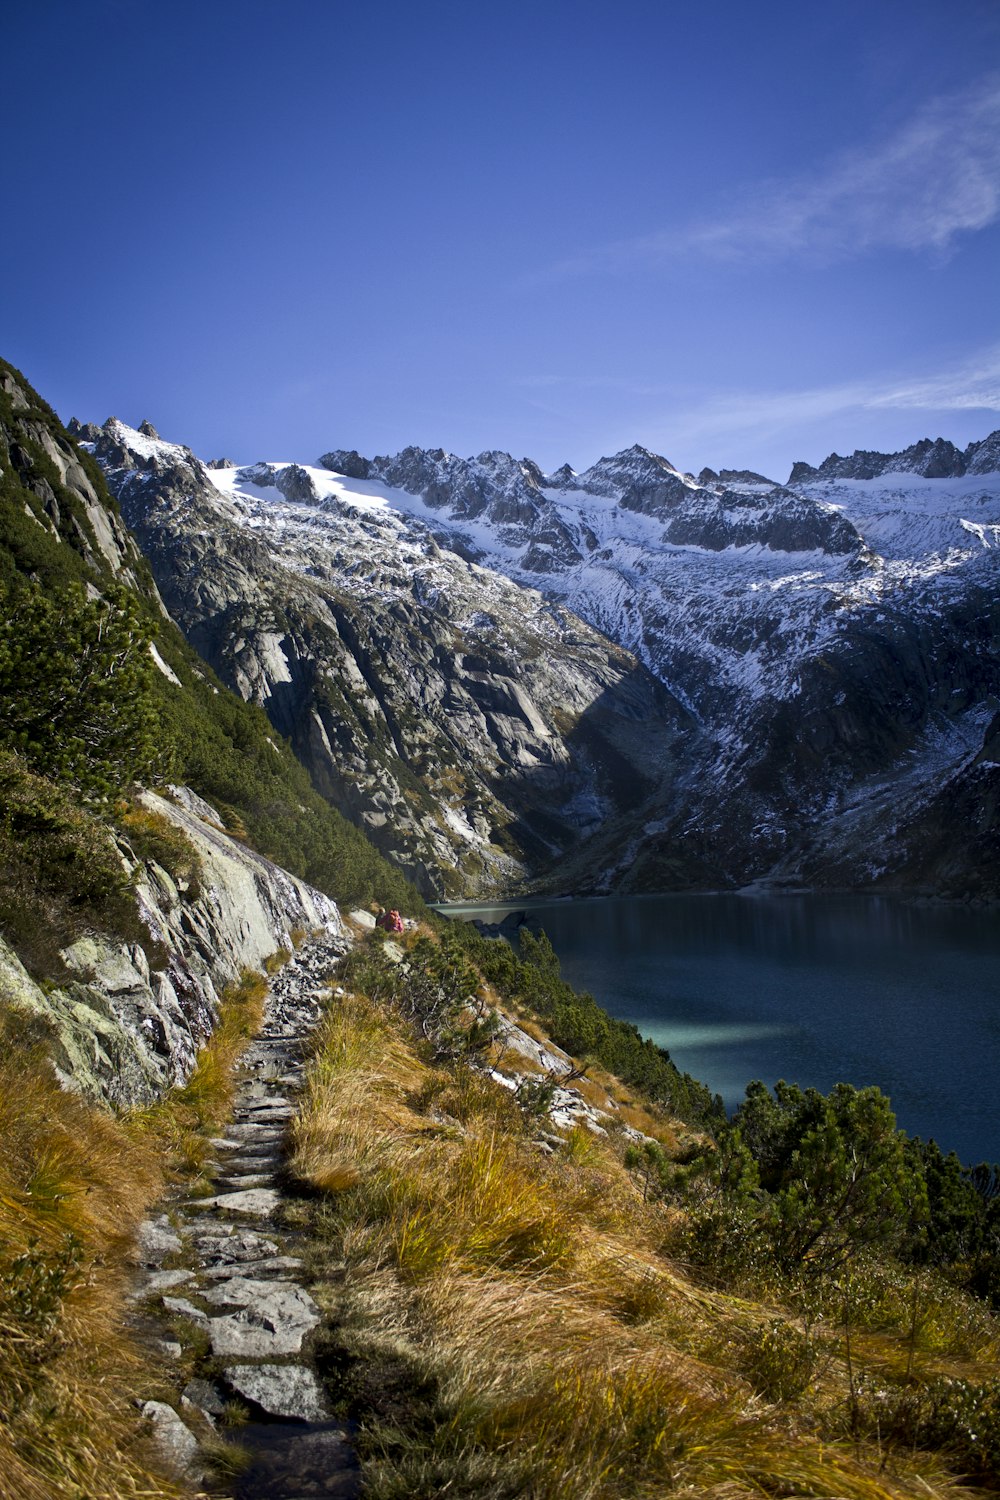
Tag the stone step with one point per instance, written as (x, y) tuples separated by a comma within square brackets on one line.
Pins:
[(253, 1161), (258, 1203), (241, 1180), (279, 1390), (273, 1265)]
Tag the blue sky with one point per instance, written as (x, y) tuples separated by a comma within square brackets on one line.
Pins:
[(740, 235)]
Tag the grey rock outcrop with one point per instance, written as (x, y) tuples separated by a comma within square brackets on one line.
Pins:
[(279, 1390), (46, 462), (638, 480), (930, 458), (176, 1443), (273, 1317), (494, 488), (984, 457), (125, 1028), (294, 483), (783, 523), (348, 462)]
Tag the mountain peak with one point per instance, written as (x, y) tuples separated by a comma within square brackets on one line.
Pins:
[(637, 479), (121, 446), (930, 458)]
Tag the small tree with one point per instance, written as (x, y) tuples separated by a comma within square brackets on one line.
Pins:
[(76, 688), (838, 1171)]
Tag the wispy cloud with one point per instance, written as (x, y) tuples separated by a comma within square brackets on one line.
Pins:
[(974, 386), (971, 386), (935, 178)]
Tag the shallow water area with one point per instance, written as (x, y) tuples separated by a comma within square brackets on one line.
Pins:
[(293, 1460), (814, 989)]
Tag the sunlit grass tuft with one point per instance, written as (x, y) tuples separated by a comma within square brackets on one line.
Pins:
[(185, 1118)]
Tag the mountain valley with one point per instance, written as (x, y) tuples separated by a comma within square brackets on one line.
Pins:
[(288, 1203)]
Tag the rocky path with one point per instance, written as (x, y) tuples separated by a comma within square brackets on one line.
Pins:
[(223, 1274)]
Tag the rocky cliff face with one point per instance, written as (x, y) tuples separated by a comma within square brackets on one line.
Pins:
[(476, 730), (59, 482), (836, 640), (125, 1027)]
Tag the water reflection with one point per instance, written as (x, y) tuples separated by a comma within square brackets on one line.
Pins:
[(713, 1036)]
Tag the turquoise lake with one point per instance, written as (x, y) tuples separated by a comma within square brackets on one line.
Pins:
[(813, 989)]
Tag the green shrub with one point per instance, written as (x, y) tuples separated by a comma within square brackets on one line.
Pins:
[(958, 1418), (836, 1172), (33, 1288), (75, 679), (727, 1245)]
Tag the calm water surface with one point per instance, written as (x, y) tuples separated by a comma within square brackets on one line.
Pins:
[(812, 989)]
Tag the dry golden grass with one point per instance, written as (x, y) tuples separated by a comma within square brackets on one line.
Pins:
[(597, 1087), (153, 836), (529, 1027), (75, 1182), (566, 1355)]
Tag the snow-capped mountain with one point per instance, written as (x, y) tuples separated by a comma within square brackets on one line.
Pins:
[(814, 668), (836, 637), (476, 730)]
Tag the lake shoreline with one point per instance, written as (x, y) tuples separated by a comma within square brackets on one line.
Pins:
[(878, 989), (754, 889)]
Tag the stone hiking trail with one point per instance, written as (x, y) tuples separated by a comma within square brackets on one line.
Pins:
[(221, 1264)]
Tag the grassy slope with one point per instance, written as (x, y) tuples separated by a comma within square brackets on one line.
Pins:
[(509, 1320), (74, 1185)]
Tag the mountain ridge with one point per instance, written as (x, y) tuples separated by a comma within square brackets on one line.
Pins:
[(829, 634), (821, 641)]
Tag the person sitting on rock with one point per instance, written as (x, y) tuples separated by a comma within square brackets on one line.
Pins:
[(389, 921)]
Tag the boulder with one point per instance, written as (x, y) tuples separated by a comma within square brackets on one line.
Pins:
[(176, 1444), (279, 1390)]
